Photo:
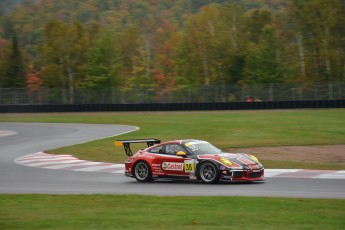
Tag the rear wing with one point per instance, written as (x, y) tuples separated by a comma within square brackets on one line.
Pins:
[(126, 144)]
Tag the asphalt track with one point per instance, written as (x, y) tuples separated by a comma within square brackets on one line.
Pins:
[(19, 139)]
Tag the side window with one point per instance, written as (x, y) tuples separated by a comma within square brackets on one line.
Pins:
[(158, 149), (173, 149)]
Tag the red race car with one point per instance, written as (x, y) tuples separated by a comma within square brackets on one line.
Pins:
[(189, 159)]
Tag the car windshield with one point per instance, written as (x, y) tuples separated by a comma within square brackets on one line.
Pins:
[(202, 148)]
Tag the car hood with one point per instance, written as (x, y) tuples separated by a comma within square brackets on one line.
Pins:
[(238, 160)]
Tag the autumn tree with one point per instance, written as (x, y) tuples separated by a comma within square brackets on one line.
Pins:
[(64, 55), (318, 28), (234, 19), (129, 53), (34, 81), (326, 28), (262, 64), (102, 70), (164, 64), (207, 43)]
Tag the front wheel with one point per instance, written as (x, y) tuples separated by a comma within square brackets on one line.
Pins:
[(209, 173), (142, 172)]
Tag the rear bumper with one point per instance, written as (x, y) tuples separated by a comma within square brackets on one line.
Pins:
[(128, 174), (128, 170)]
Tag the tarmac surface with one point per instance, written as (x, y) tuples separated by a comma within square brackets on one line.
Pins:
[(19, 142)]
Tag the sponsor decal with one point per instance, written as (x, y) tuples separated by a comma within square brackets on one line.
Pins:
[(172, 166)]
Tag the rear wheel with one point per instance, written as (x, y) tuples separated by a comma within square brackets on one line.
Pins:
[(142, 172), (209, 173)]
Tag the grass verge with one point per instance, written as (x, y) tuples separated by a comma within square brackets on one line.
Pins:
[(150, 212)]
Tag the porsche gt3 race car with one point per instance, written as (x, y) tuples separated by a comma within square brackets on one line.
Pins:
[(188, 159)]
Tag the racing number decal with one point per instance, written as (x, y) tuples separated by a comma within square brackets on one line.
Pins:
[(189, 166)]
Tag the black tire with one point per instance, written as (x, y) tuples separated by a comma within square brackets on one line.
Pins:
[(142, 172), (209, 173)]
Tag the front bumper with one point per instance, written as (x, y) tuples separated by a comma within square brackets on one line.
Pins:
[(242, 175)]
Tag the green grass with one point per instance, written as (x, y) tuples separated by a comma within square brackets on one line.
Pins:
[(224, 129), (150, 212)]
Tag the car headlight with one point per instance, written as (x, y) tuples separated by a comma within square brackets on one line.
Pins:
[(226, 161), (254, 158)]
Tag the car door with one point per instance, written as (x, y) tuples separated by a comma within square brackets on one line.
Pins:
[(172, 164)]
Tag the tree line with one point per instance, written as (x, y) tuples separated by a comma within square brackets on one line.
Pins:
[(166, 44)]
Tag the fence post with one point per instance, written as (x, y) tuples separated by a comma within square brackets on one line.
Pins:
[(340, 95), (316, 92), (189, 95), (300, 93), (15, 97), (243, 93), (271, 92), (330, 91)]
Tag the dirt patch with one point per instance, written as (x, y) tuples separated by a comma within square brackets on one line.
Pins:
[(317, 154)]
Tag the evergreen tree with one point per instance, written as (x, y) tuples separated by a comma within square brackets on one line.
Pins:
[(13, 75)]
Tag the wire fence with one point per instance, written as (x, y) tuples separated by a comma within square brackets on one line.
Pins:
[(181, 94)]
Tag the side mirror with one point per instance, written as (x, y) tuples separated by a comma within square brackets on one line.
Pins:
[(181, 154)]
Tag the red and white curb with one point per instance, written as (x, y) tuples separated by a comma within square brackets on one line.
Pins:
[(68, 162)]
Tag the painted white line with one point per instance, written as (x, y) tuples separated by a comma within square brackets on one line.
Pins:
[(43, 156), (331, 176), (29, 157), (54, 163), (4, 133), (35, 154), (96, 168), (71, 165), (119, 171), (277, 172), (51, 159)]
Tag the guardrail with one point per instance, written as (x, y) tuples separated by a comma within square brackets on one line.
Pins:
[(172, 106)]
